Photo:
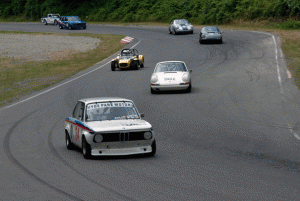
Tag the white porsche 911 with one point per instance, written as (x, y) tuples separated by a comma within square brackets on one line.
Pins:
[(109, 126), (171, 75)]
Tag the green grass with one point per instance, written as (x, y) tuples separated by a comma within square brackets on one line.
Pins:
[(18, 77)]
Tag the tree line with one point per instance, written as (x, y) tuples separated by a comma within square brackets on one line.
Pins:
[(196, 11)]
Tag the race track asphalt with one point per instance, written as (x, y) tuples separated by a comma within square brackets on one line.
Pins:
[(234, 137)]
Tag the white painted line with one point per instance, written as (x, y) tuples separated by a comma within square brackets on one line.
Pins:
[(289, 74), (295, 134), (62, 83), (276, 56)]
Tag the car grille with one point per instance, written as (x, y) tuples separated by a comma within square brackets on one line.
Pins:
[(123, 136), (123, 64)]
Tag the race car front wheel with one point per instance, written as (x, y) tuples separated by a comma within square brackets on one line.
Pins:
[(142, 64), (113, 67), (45, 22), (86, 149), (153, 152), (69, 144)]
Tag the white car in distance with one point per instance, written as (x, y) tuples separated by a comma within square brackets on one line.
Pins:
[(170, 75), (109, 126)]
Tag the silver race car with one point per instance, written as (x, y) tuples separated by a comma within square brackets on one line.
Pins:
[(108, 126), (211, 33), (171, 75), (180, 26)]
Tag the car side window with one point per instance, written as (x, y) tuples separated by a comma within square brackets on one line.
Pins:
[(78, 111)]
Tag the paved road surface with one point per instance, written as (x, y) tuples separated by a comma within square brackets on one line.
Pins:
[(234, 137)]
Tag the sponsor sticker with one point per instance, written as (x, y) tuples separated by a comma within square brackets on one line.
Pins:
[(110, 104)]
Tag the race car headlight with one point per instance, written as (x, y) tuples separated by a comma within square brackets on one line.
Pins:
[(154, 79), (147, 135), (185, 77), (98, 138)]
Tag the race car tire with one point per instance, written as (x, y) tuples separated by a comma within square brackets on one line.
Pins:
[(86, 149), (55, 22), (170, 32), (175, 33), (153, 91), (60, 26), (112, 66), (136, 66), (189, 89), (69, 144), (153, 152), (142, 64), (45, 22)]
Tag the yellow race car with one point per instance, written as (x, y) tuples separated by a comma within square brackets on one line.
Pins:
[(129, 58)]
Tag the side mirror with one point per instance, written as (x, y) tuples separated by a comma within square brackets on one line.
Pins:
[(142, 115)]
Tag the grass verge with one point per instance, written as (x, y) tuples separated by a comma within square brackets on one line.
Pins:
[(18, 78)]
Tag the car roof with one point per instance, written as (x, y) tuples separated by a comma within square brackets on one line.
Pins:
[(102, 99)]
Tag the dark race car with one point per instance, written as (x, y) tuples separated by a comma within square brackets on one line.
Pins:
[(71, 22)]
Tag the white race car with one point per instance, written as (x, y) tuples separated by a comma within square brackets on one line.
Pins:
[(171, 75), (109, 126)]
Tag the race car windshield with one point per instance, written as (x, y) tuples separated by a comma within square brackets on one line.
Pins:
[(210, 29), (126, 57), (170, 66), (111, 111), (181, 22), (73, 19)]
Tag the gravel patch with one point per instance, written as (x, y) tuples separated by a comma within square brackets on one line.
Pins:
[(41, 47)]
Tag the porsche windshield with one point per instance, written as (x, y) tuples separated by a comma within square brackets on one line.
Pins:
[(111, 111), (170, 66), (181, 22), (73, 19)]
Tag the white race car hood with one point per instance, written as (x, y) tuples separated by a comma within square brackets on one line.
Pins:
[(172, 77), (117, 125)]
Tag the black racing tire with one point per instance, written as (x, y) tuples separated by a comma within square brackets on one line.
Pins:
[(45, 22), (136, 65), (112, 65), (69, 144), (175, 33), (55, 22), (60, 26), (86, 149), (189, 89), (69, 27), (153, 152), (153, 91), (142, 64), (170, 32)]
